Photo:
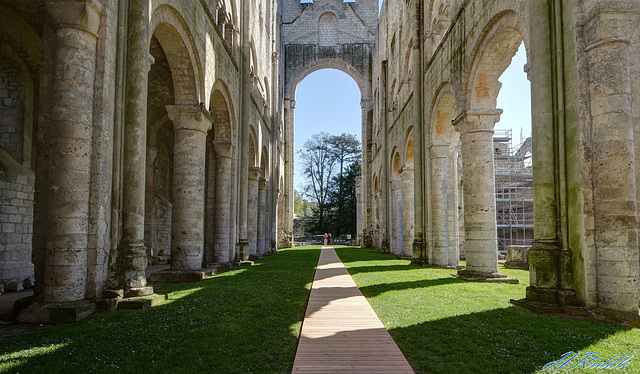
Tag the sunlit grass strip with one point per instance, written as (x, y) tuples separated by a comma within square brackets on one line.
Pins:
[(241, 321), (445, 325)]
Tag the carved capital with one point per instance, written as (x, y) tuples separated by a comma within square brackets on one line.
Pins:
[(477, 120), (254, 173), (439, 150), (83, 15), (189, 117), (223, 148)]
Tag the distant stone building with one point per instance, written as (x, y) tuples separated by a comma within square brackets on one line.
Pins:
[(161, 131)]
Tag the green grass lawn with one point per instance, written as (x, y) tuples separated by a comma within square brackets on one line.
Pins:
[(241, 321), (445, 325)]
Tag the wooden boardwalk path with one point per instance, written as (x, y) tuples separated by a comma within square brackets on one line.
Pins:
[(341, 333)]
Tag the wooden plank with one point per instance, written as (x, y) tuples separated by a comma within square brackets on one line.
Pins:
[(341, 332)]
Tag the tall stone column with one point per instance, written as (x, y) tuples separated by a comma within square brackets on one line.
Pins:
[(187, 215), (439, 204), (262, 217), (252, 213), (453, 202), (359, 215), (614, 171), (476, 132), (408, 218), (397, 242), (149, 197), (76, 26), (132, 254), (222, 250)]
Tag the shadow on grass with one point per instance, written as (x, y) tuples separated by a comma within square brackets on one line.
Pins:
[(372, 291), (508, 340), (490, 337), (242, 320)]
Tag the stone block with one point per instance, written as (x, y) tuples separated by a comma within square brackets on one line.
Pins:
[(143, 302), (13, 286), (56, 312), (517, 257)]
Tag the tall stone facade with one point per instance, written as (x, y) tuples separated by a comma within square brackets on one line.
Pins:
[(436, 69), (161, 131), (123, 142)]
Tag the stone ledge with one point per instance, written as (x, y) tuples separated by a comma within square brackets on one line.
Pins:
[(516, 265), (142, 302), (56, 312), (181, 276)]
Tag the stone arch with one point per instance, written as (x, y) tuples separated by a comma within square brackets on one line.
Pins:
[(408, 148), (17, 110), (328, 29), (178, 45), (407, 71), (492, 55), (344, 67), (264, 162), (253, 147), (443, 112), (221, 107), (396, 163)]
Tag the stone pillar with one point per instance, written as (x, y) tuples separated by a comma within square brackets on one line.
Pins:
[(614, 189), (359, 215), (407, 210), (187, 215), (476, 131), (262, 217), (222, 249), (453, 202), (132, 254), (149, 197), (76, 26), (439, 204), (397, 240), (252, 213), (419, 248)]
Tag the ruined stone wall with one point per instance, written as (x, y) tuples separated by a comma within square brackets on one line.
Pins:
[(467, 46), (16, 216)]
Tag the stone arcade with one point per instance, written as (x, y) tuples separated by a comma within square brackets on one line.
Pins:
[(140, 132)]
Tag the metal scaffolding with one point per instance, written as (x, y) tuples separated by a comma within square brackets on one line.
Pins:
[(514, 190)]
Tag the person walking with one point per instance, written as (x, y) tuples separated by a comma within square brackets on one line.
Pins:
[(329, 239), (325, 238)]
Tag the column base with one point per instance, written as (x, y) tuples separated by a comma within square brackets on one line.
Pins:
[(475, 276), (56, 312), (138, 292), (181, 276), (142, 302), (629, 319)]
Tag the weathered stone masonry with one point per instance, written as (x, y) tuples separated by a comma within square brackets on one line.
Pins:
[(161, 131)]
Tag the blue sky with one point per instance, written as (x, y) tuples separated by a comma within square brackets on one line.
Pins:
[(329, 100)]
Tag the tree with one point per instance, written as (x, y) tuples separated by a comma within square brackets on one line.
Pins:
[(298, 204), (346, 150), (331, 165), (345, 213), (318, 163)]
